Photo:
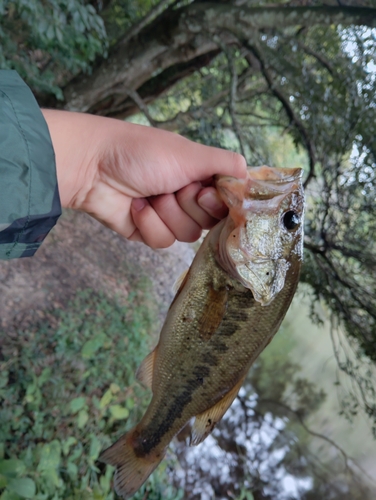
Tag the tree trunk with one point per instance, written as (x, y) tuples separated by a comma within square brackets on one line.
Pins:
[(180, 41)]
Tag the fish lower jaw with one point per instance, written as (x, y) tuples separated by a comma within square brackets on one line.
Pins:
[(262, 296), (264, 277)]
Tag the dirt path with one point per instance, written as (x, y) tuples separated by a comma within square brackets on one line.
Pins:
[(78, 254)]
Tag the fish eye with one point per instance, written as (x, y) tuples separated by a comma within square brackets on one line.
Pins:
[(291, 220)]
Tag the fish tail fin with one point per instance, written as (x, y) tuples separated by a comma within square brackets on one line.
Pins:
[(131, 471)]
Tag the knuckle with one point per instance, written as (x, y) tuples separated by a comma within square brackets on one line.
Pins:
[(188, 193), (162, 243), (193, 236), (238, 161), (163, 202)]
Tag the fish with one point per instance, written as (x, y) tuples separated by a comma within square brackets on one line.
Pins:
[(228, 307)]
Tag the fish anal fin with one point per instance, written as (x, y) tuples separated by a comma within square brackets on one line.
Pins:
[(206, 421), (131, 470), (144, 373), (185, 432)]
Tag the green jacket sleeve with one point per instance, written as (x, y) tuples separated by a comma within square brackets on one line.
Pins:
[(29, 197)]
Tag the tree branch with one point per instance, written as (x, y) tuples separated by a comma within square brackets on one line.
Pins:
[(322, 60), (147, 19), (158, 85), (232, 93), (296, 413), (255, 49), (178, 36), (142, 106)]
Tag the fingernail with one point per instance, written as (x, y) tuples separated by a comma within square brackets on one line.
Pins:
[(210, 201), (138, 204)]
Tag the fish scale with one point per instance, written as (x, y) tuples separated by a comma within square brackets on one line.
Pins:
[(227, 309)]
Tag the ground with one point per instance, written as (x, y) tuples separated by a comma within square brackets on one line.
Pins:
[(80, 253)]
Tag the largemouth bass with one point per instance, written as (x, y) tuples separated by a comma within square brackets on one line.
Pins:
[(227, 309)]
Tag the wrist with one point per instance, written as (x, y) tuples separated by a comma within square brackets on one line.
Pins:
[(75, 155)]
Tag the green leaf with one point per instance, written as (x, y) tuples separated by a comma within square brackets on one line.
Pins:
[(91, 346), (75, 453), (31, 388), (23, 486), (3, 481), (50, 33), (59, 34), (246, 495), (44, 376), (114, 388), (129, 403), (119, 412), (72, 470), (12, 468), (52, 477), (3, 378), (50, 456), (95, 448), (66, 445), (83, 417), (106, 398), (77, 404), (9, 495)]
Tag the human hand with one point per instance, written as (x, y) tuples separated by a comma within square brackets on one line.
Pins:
[(146, 184)]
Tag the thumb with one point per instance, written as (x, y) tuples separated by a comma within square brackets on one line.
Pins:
[(201, 162)]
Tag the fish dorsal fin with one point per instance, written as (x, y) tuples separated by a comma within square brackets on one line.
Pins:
[(206, 421), (144, 373), (178, 283)]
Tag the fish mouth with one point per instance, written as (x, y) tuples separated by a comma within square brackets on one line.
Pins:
[(264, 277)]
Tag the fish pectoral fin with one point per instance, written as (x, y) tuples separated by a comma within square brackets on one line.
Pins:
[(212, 314), (145, 371), (206, 421), (131, 470)]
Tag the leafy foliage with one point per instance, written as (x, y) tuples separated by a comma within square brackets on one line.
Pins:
[(67, 390), (49, 42), (120, 15)]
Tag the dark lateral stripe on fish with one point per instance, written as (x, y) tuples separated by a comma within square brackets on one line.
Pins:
[(220, 346), (209, 359), (151, 437), (230, 323), (237, 314)]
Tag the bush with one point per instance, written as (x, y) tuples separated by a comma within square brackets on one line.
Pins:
[(67, 391)]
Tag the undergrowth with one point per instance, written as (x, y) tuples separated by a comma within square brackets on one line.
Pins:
[(67, 391)]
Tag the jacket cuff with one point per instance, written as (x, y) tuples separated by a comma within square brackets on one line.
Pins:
[(29, 196)]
